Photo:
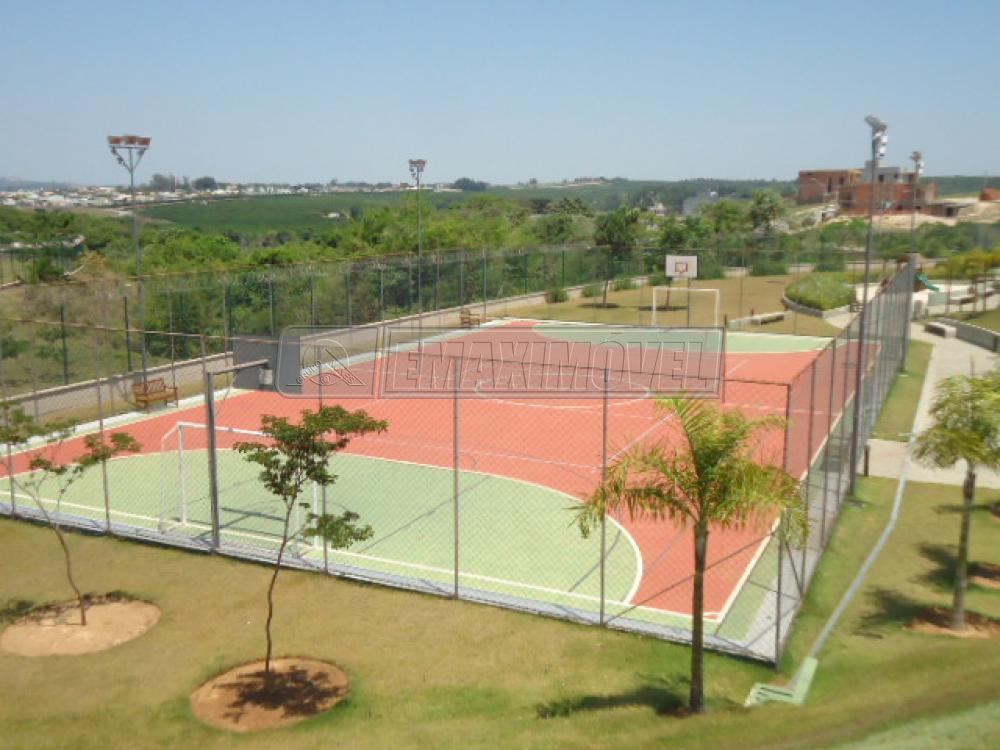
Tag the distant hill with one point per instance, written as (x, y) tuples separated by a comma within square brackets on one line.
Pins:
[(964, 184), (16, 183)]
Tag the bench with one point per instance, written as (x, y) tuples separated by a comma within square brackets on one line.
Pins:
[(153, 391), (765, 318), (469, 319), (941, 329)]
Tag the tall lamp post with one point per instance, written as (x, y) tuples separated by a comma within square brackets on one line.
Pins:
[(879, 141), (135, 146), (911, 259), (416, 170)]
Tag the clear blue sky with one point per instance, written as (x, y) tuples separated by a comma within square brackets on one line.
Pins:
[(501, 91)]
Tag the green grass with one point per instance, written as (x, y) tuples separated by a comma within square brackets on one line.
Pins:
[(437, 673), (896, 419), (634, 307), (989, 319)]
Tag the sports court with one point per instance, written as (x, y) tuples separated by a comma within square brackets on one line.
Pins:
[(523, 463)]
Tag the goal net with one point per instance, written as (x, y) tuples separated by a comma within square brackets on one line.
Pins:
[(248, 513), (680, 306)]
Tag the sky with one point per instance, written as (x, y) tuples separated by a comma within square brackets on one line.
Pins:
[(502, 91)]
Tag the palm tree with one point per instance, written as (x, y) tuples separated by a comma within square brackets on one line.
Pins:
[(710, 479), (965, 427)]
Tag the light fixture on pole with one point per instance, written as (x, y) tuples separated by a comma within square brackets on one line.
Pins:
[(879, 141), (416, 171), (911, 258), (135, 147)]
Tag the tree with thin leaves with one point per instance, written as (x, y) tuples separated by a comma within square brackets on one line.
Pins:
[(295, 456), (709, 479), (965, 426), (47, 476)]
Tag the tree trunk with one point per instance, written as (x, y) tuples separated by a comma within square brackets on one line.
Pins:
[(604, 300), (697, 697), (69, 562), (270, 588), (962, 563)]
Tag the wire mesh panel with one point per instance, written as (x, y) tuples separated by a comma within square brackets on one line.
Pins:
[(471, 492)]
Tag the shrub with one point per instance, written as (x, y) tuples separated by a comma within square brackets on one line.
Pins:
[(622, 283), (593, 290), (556, 294), (821, 291), (768, 267), (657, 279), (833, 261), (710, 267)]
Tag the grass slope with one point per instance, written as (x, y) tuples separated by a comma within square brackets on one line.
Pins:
[(900, 409)]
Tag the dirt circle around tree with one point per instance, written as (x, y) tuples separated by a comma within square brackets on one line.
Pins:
[(937, 621), (55, 630), (244, 699)]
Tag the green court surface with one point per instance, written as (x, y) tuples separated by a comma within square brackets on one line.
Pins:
[(737, 342), (517, 539)]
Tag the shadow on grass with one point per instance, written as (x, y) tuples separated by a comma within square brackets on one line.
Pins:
[(888, 609), (666, 697), (295, 691)]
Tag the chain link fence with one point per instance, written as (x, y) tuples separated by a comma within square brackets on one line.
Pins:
[(469, 496)]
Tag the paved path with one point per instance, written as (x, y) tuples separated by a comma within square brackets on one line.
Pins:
[(950, 357)]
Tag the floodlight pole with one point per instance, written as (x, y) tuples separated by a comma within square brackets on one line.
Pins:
[(416, 170), (265, 379), (136, 147), (911, 257), (878, 141)]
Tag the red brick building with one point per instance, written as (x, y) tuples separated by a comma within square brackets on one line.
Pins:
[(850, 189)]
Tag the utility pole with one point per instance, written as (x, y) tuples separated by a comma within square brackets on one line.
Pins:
[(416, 170), (911, 258)]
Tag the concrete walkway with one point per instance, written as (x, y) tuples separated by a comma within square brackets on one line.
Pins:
[(950, 357)]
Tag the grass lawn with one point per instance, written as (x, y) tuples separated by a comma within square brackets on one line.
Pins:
[(634, 306), (900, 409), (436, 673), (989, 319)]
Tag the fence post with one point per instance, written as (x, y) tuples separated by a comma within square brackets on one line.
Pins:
[(778, 595), (128, 336), (456, 409), (604, 478), (65, 352), (100, 431), (213, 476), (10, 455), (319, 397), (809, 460), (829, 438), (484, 284), (350, 296)]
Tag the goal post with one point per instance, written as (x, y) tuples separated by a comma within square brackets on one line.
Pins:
[(703, 304), (185, 506)]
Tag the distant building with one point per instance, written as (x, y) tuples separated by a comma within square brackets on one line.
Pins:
[(822, 185), (850, 190), (990, 194)]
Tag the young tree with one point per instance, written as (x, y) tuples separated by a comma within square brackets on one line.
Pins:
[(618, 231), (18, 430), (296, 455), (709, 480), (766, 208), (965, 426)]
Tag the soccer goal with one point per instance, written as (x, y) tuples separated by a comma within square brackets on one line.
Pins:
[(680, 305), (247, 512)]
